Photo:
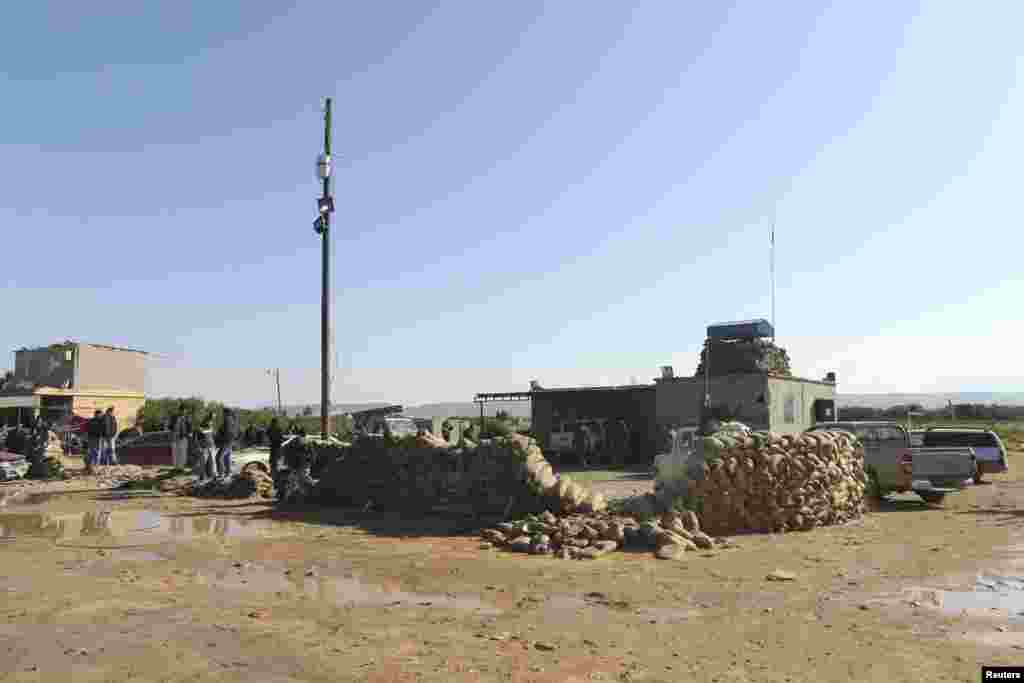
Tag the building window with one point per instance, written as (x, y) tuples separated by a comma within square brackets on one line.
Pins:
[(789, 410)]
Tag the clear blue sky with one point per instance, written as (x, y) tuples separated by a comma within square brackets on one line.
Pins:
[(563, 191)]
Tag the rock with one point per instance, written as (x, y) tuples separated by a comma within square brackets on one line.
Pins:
[(520, 545), (592, 553), (670, 552), (540, 549), (666, 537), (548, 518), (486, 545), (781, 575), (605, 546), (510, 530), (703, 541), (544, 646), (494, 536), (615, 532), (649, 533)]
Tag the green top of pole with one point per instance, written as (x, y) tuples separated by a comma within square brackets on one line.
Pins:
[(327, 126)]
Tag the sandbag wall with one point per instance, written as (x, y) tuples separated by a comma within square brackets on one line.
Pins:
[(745, 355), (764, 482), (504, 476)]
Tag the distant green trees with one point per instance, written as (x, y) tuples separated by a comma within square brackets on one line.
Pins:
[(156, 413)]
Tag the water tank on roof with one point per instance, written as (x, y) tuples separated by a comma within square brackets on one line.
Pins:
[(744, 329)]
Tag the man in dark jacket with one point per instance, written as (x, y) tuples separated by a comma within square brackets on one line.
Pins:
[(276, 437), (110, 436), (94, 434), (203, 439), (181, 431), (225, 440)]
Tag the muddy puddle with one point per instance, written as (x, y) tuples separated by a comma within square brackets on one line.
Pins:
[(991, 596), (22, 497), (139, 527), (342, 591)]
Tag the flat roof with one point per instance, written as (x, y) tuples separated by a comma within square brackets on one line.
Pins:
[(76, 343), (621, 387), (773, 375)]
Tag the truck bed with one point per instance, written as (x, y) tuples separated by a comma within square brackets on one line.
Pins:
[(943, 467)]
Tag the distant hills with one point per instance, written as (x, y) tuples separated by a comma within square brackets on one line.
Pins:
[(931, 401), (522, 408)]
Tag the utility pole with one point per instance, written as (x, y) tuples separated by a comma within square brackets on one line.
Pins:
[(322, 226), (772, 269), (276, 374)]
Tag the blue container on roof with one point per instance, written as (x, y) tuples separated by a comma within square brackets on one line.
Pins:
[(743, 329)]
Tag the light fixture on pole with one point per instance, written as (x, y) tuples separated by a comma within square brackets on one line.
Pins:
[(322, 224)]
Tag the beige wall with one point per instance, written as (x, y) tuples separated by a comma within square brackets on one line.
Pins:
[(679, 401), (800, 395), (102, 368), (125, 408)]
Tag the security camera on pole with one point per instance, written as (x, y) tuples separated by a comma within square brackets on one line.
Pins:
[(322, 225)]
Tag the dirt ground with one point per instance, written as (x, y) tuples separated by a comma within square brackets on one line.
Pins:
[(99, 586)]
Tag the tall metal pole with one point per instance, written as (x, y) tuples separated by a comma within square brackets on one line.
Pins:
[(325, 310), (772, 258), (280, 406)]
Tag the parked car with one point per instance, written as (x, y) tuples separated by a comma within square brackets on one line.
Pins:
[(894, 466), (150, 449), (988, 447), (12, 466)]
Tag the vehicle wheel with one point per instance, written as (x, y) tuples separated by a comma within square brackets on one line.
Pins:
[(932, 498)]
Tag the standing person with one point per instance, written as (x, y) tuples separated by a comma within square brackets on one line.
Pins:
[(204, 466), (276, 439), (579, 444), (110, 434), (94, 434), (181, 429), (625, 454), (224, 440)]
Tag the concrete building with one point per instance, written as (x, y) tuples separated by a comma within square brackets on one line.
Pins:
[(762, 400), (782, 404), (73, 378)]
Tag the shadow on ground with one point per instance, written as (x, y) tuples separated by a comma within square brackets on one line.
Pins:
[(378, 523)]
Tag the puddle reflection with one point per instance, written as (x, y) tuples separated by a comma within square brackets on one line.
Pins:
[(992, 595), (139, 523)]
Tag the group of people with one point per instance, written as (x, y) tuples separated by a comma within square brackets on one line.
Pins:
[(29, 439), (615, 448), (101, 437), (205, 449)]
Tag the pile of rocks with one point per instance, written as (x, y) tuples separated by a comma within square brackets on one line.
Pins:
[(765, 482), (251, 483), (577, 536)]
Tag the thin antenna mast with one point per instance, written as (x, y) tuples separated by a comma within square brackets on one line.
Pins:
[(772, 268)]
